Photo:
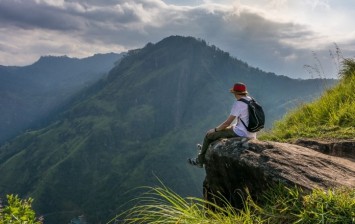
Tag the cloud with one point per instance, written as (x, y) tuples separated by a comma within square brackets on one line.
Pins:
[(30, 14), (82, 28)]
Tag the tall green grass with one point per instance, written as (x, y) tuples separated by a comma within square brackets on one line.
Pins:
[(160, 205), (280, 205), (331, 116)]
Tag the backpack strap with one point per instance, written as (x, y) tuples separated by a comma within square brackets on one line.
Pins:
[(247, 102)]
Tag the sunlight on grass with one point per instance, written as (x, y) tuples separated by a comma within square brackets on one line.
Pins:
[(331, 116), (280, 204), (162, 205)]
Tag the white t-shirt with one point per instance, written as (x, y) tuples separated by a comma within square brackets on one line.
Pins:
[(240, 111)]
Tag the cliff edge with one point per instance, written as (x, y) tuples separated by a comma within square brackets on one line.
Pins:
[(236, 164)]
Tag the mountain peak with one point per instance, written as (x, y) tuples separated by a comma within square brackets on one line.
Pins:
[(46, 58), (180, 39), (52, 60)]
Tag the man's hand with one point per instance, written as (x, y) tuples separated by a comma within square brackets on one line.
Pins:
[(224, 125)]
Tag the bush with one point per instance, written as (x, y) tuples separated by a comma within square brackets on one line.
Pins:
[(18, 211)]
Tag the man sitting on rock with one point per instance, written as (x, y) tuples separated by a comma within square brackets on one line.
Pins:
[(226, 130)]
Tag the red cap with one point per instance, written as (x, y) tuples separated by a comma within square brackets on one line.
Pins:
[(239, 88)]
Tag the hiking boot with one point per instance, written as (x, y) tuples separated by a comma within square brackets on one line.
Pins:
[(195, 162)]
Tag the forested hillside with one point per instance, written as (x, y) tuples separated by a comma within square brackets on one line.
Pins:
[(30, 95)]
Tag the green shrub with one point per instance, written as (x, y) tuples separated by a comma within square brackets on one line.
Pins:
[(18, 211)]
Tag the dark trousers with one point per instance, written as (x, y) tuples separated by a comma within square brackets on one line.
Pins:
[(211, 137)]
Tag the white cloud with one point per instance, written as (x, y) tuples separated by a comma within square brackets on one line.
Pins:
[(26, 46), (273, 35)]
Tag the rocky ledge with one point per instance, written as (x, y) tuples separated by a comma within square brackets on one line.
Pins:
[(341, 148), (233, 165)]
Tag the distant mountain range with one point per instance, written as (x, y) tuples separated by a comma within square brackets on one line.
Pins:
[(135, 125), (29, 94)]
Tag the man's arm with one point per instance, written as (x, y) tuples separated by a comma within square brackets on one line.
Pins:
[(224, 125)]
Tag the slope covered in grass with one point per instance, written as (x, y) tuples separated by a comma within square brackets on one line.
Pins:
[(331, 116)]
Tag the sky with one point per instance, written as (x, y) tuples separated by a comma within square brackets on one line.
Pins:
[(295, 38)]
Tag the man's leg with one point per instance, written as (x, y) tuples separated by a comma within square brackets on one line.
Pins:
[(209, 138)]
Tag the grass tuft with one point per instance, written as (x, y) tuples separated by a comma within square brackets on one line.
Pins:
[(280, 204), (162, 205)]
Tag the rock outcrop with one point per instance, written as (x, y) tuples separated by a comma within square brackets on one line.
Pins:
[(233, 165)]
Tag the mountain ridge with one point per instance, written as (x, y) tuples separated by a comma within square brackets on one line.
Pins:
[(30, 93)]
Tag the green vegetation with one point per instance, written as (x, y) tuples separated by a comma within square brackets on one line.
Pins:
[(279, 205), (331, 116), (31, 96), (18, 211)]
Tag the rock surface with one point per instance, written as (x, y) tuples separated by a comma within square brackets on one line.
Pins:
[(232, 165), (342, 148)]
